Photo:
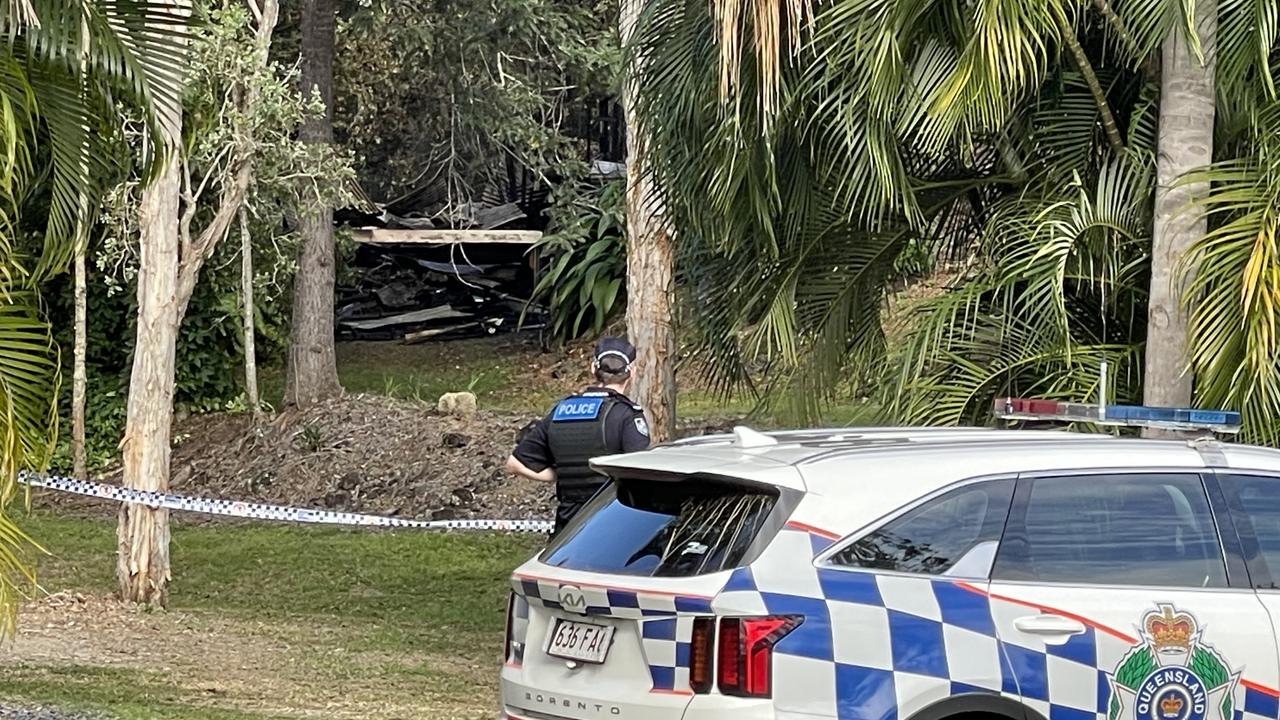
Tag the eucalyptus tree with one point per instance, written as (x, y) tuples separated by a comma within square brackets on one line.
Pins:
[(71, 71)]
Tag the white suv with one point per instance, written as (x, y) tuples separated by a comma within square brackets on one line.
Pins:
[(909, 574)]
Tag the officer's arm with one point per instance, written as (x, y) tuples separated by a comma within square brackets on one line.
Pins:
[(515, 467), (635, 432)]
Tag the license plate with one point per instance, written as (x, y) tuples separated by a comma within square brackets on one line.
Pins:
[(584, 642)]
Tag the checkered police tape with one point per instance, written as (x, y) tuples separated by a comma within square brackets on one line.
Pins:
[(262, 511)]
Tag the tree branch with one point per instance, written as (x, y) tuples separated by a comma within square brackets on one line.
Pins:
[(236, 174), (1117, 25), (1091, 79), (188, 212)]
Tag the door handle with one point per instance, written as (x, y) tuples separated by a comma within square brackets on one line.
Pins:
[(1053, 629)]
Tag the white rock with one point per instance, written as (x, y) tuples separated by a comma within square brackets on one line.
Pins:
[(461, 404)]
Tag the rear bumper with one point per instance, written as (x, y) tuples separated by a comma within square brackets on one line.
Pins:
[(522, 702), (526, 702)]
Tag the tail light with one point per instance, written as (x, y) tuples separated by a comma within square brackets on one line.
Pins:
[(517, 629), (746, 653), (701, 655)]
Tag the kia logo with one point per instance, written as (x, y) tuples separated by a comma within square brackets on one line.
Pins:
[(572, 599)]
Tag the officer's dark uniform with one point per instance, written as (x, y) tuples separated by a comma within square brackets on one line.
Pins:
[(595, 422)]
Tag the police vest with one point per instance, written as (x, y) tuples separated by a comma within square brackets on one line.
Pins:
[(576, 434)]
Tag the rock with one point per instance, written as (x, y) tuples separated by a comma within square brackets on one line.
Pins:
[(454, 440), (460, 404)]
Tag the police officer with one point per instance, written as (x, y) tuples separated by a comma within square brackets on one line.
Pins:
[(600, 420)]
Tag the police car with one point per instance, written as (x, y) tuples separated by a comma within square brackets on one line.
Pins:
[(912, 574)]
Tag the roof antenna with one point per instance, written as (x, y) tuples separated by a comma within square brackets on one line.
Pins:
[(745, 437)]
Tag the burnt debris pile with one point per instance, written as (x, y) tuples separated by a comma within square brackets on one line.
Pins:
[(423, 292)]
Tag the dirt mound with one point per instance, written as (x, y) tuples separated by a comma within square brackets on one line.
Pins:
[(359, 453)]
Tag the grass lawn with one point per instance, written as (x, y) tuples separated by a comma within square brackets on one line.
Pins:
[(275, 621), (269, 621), (487, 367), (502, 373)]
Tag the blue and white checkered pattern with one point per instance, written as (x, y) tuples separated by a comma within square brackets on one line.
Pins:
[(882, 646), (871, 647), (666, 623), (667, 650), (877, 646), (611, 602)]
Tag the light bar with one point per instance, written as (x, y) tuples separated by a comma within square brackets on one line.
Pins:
[(1222, 421)]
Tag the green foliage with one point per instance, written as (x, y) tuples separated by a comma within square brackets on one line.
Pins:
[(851, 147), (465, 91), (289, 176), (586, 282), (1234, 299), (1062, 288), (68, 70)]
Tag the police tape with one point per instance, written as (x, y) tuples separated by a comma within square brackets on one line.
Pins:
[(262, 511)]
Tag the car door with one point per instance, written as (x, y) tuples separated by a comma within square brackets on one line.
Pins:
[(1254, 500), (909, 624), (1114, 599)]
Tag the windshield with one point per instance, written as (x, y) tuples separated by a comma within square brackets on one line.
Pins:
[(663, 529)]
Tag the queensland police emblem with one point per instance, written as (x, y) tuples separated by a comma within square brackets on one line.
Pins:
[(1172, 674)]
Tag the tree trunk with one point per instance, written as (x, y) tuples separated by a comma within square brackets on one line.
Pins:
[(246, 295), (143, 561), (312, 371), (1185, 143), (79, 377), (650, 269)]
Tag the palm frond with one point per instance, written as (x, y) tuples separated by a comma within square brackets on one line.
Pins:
[(1234, 297), (1064, 269), (70, 70), (28, 425)]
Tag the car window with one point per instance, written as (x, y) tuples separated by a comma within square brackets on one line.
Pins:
[(954, 531), (1152, 530), (1260, 500), (663, 529)]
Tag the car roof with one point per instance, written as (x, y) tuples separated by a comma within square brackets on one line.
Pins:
[(819, 460)]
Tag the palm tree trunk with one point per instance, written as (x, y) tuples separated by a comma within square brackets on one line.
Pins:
[(1185, 142), (312, 371), (246, 296), (650, 269), (142, 568)]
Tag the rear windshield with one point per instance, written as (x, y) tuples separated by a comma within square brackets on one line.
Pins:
[(663, 529)]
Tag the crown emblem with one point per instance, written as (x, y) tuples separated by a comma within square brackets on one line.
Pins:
[(1171, 706), (1168, 631)]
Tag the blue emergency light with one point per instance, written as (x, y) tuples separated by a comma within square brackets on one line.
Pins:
[(1183, 419)]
